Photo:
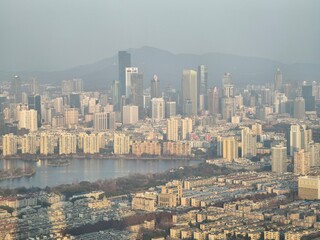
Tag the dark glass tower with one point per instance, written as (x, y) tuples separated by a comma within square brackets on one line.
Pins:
[(309, 99), (34, 102), (155, 87), (124, 59)]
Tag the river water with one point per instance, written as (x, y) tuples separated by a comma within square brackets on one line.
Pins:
[(85, 170)]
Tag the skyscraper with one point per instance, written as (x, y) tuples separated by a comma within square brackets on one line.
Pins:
[(74, 100), (157, 109), (186, 128), (116, 95), (28, 120), (230, 149), (279, 158), (227, 100), (34, 102), (155, 87), (307, 94), (213, 101), (130, 114), (189, 91), (128, 82), (124, 61), (299, 111), (173, 129), (302, 160), (15, 89), (104, 121), (248, 143), (278, 80), (136, 97), (202, 87), (170, 109)]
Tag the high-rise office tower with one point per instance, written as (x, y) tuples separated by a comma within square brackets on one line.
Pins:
[(15, 89), (202, 87), (279, 158), (74, 100), (227, 100), (171, 109), (299, 111), (116, 95), (34, 86), (124, 61), (173, 129), (278, 80), (128, 82), (213, 101), (157, 108), (186, 128), (136, 97), (189, 92), (34, 102), (307, 94), (104, 121), (155, 87), (302, 160)]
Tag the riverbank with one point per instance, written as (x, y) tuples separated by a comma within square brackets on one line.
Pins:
[(16, 173), (35, 158)]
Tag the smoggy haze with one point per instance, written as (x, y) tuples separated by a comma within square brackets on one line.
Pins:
[(53, 35)]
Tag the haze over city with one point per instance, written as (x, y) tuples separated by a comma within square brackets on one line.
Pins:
[(56, 35), (159, 120)]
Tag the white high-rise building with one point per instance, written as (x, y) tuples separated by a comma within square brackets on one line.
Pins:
[(279, 158), (46, 144), (189, 92), (130, 114), (121, 143), (173, 129), (28, 120), (230, 148), (129, 72), (29, 144), (157, 108), (186, 128), (9, 145), (248, 143), (67, 143), (58, 104), (300, 138)]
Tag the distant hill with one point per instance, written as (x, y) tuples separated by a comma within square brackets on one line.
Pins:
[(168, 67)]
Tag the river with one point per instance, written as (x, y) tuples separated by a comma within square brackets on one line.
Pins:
[(85, 170)]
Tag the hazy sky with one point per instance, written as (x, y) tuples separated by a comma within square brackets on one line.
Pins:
[(58, 34)]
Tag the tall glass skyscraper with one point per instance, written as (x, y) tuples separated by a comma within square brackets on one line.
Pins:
[(124, 59)]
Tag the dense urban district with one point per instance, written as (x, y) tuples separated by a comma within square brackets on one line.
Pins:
[(258, 148)]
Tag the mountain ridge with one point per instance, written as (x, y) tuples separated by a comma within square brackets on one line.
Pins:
[(168, 66)]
